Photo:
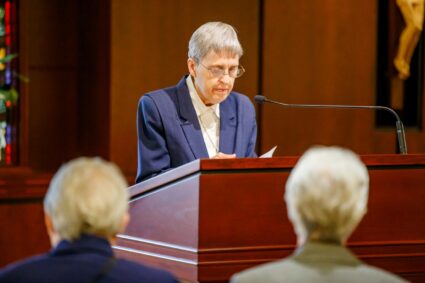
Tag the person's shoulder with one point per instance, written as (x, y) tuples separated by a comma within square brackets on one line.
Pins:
[(266, 272), (240, 97), (289, 270), (18, 271), (143, 273), (166, 91), (379, 275), (161, 98), (159, 93), (158, 99)]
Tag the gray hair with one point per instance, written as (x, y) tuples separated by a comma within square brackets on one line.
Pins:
[(214, 36), (326, 193), (87, 195)]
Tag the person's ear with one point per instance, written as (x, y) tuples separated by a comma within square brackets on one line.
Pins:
[(124, 222), (191, 66), (53, 235)]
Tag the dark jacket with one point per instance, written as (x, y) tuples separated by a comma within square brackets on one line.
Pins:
[(80, 261), (169, 134)]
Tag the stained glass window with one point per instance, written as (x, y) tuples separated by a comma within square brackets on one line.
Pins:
[(8, 84)]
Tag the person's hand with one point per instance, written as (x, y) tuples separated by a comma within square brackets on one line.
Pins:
[(221, 155)]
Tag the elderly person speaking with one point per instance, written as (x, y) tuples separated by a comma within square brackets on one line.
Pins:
[(326, 197), (86, 205), (200, 117)]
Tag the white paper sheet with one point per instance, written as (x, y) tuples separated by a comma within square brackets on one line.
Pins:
[(269, 153)]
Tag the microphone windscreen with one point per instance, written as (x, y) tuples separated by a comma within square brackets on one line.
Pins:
[(259, 98)]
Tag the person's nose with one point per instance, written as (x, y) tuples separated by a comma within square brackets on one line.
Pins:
[(225, 78)]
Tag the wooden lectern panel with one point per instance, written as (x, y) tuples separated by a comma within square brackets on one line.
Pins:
[(208, 219)]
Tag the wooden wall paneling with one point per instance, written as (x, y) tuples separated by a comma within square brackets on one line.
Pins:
[(149, 51), (52, 124), (21, 213), (24, 233), (51, 56), (65, 51), (53, 41), (320, 52), (93, 92)]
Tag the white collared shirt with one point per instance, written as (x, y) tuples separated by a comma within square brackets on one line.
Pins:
[(209, 119)]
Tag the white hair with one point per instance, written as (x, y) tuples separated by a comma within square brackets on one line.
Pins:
[(87, 195), (326, 193), (214, 36)]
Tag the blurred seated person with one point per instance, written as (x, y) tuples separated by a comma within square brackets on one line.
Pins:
[(326, 197), (200, 117), (86, 205)]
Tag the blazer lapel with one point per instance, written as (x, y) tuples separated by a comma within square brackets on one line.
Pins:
[(189, 122), (227, 126)]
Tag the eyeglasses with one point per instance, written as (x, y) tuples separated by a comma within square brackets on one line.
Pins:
[(217, 72)]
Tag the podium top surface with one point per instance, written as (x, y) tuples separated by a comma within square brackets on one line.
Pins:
[(208, 166)]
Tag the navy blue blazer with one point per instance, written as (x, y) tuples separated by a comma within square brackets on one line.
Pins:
[(80, 261), (169, 134)]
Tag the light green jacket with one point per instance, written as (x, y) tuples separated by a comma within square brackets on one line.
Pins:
[(316, 262)]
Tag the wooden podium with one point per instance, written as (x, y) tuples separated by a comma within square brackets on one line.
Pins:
[(208, 219)]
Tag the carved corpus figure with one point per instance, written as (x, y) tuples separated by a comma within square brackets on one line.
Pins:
[(413, 15)]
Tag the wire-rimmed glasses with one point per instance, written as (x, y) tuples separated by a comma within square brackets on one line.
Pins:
[(217, 71)]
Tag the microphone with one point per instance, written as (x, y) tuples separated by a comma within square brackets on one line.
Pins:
[(399, 125)]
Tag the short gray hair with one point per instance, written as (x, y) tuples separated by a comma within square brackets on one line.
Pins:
[(326, 193), (87, 195), (215, 36)]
